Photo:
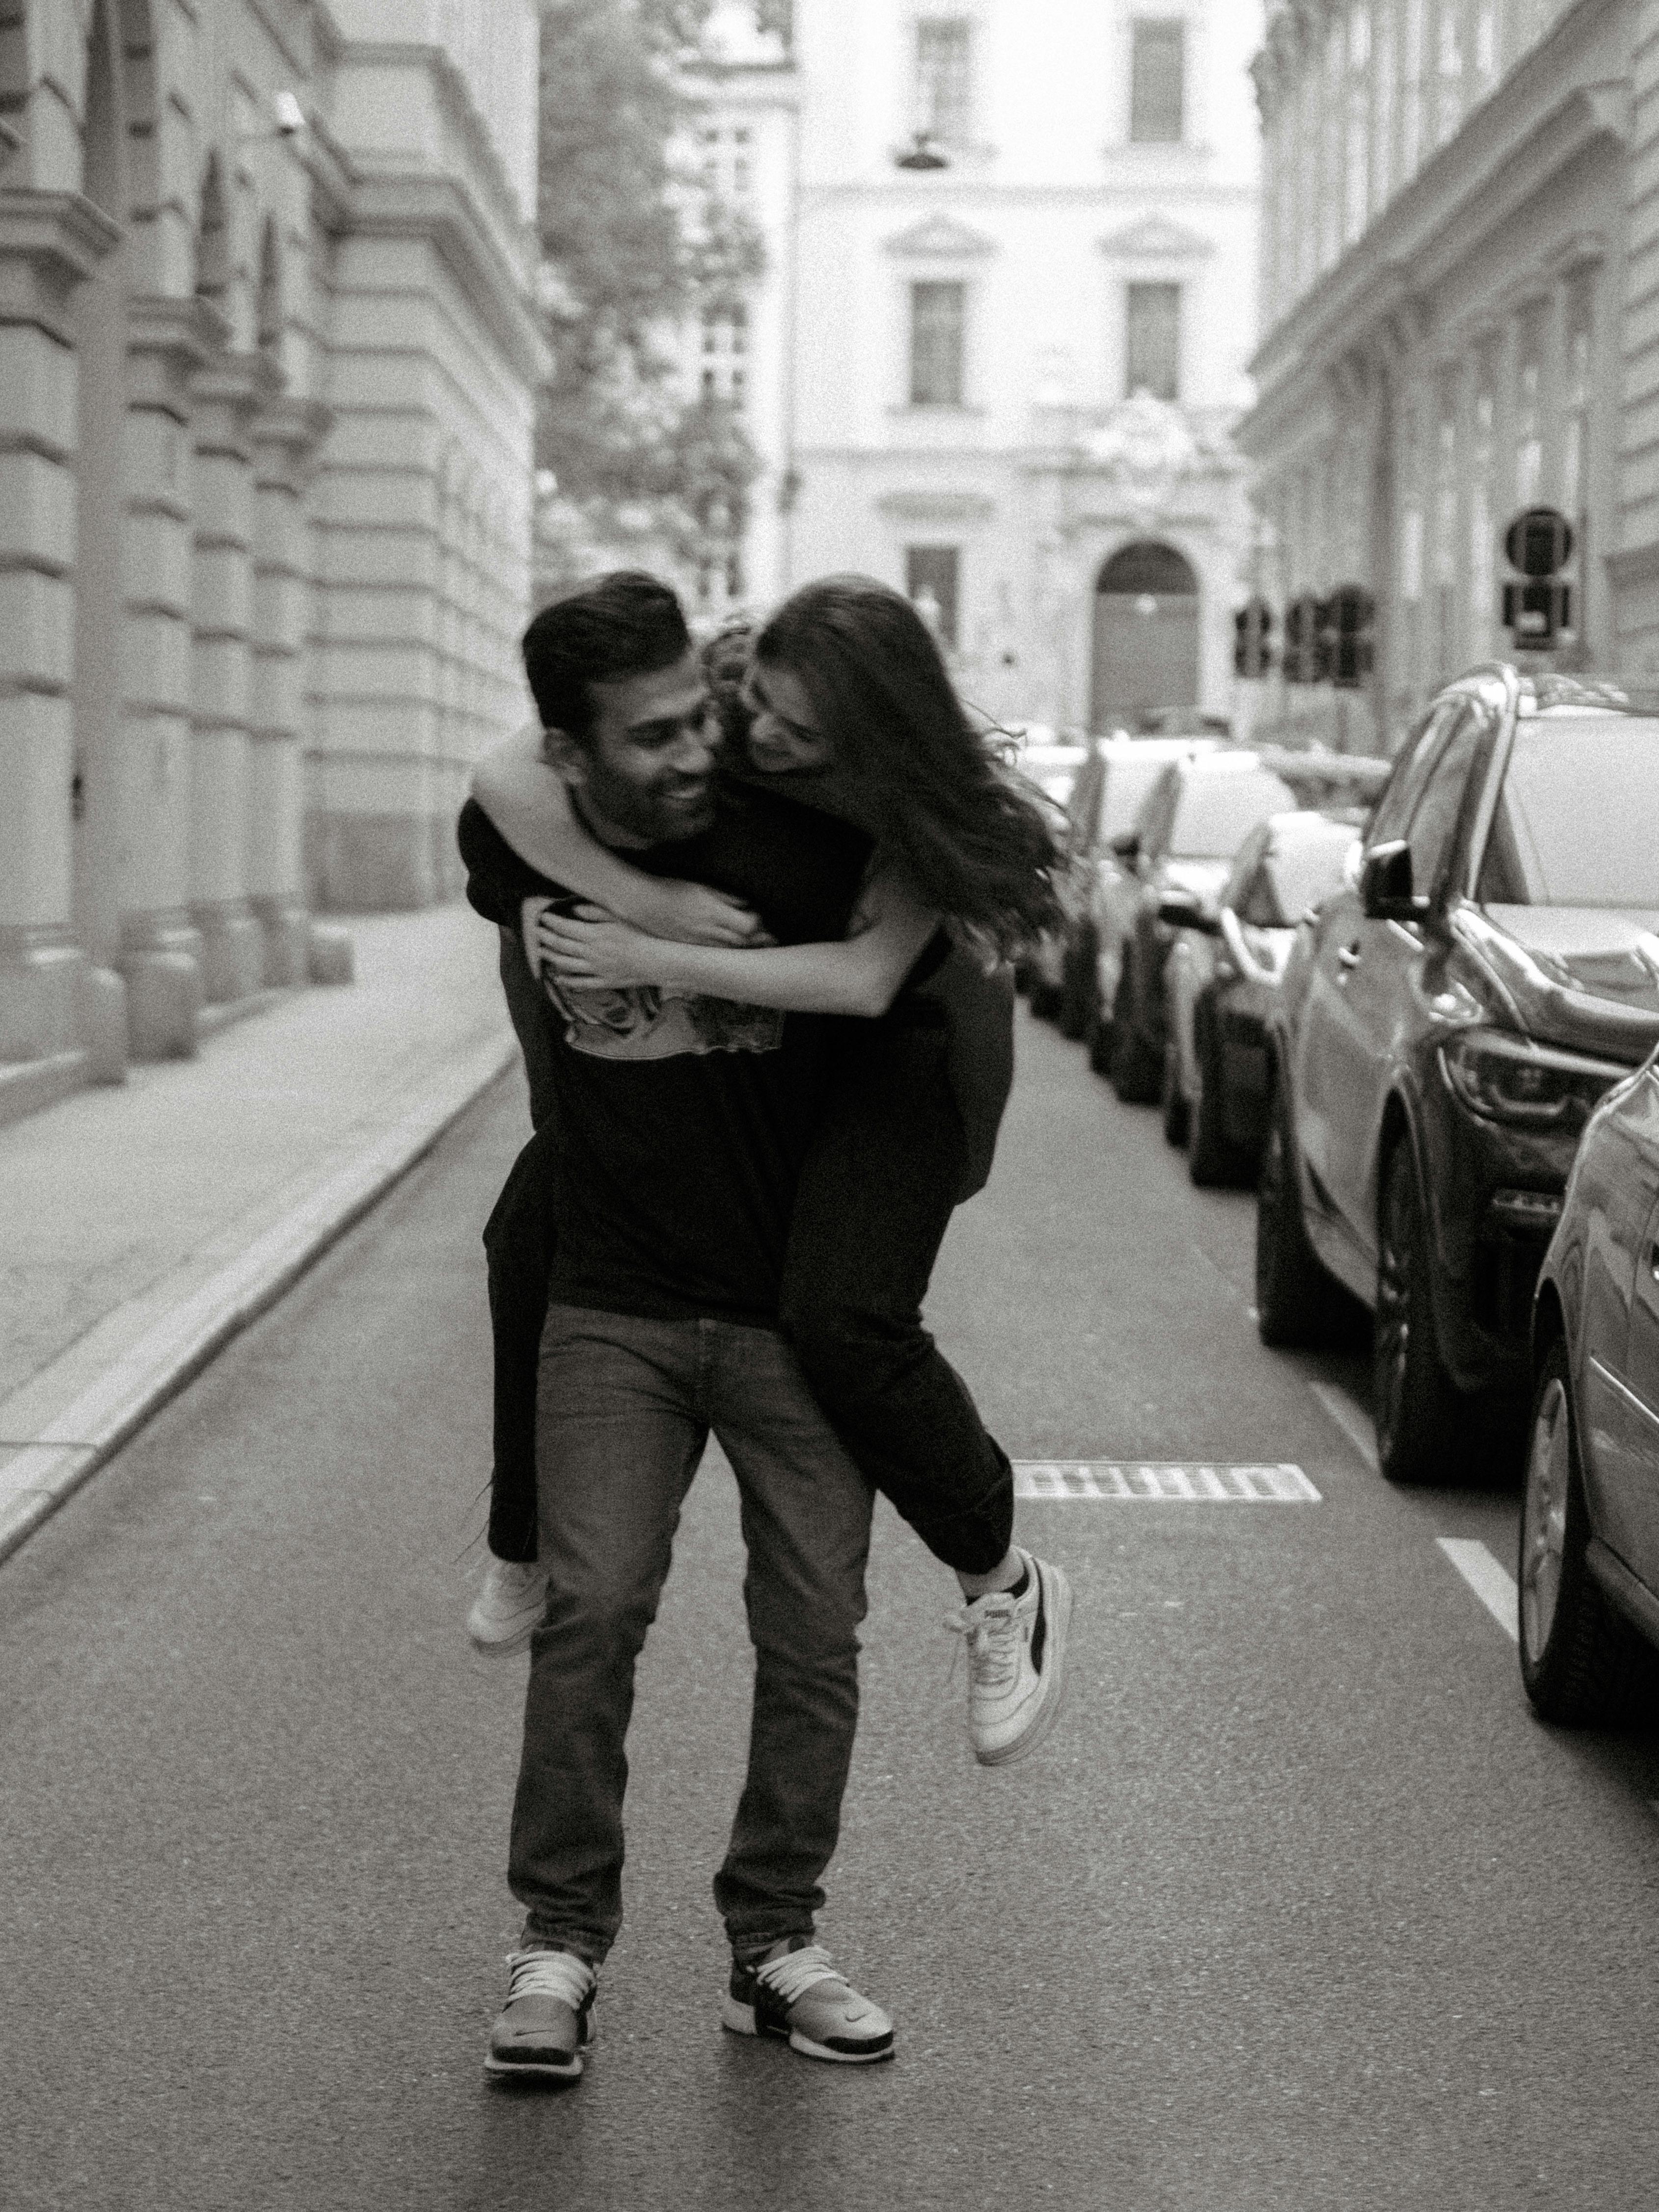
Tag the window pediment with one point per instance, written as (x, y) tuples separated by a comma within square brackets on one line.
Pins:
[(1155, 238), (941, 237)]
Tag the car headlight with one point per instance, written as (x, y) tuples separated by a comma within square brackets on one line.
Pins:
[(1527, 1086)]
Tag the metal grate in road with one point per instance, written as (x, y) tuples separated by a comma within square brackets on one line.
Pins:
[(1140, 1480)]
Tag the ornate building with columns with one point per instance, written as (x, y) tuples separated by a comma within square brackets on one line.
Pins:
[(1460, 266), (267, 377), (1023, 297)]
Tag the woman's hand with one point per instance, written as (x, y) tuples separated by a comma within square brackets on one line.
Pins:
[(591, 949), (692, 913)]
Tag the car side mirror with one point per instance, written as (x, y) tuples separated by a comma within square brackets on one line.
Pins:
[(1127, 845), (1181, 910), (1385, 885)]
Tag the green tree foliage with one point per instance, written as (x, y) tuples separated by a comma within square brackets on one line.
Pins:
[(633, 248)]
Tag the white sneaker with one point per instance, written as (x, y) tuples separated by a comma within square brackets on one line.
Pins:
[(1016, 1662), (507, 1610)]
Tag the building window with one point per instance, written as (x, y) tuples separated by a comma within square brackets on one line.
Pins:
[(944, 78), (1448, 104), (1529, 410), (938, 313), (1358, 196), (1382, 79), (1446, 564), (1576, 424), (1330, 191), (1483, 525), (1151, 349), (1157, 70), (1412, 89), (932, 578)]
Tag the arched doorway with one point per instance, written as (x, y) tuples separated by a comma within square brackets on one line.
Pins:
[(1145, 645)]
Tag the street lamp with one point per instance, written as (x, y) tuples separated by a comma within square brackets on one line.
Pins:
[(922, 153)]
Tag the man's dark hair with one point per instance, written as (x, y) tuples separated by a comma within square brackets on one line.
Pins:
[(623, 624)]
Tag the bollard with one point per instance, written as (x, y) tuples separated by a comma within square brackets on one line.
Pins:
[(331, 954), (104, 1024)]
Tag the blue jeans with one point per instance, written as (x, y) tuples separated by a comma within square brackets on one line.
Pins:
[(625, 1408)]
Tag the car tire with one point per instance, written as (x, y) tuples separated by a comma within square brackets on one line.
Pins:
[(1076, 990), (1043, 999), (1417, 1407), (1176, 1115), (1579, 1658), (1214, 1161), (1294, 1293), (1136, 1069)]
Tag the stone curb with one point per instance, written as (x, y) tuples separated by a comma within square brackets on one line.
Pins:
[(94, 1425)]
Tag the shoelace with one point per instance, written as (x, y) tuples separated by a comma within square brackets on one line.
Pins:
[(791, 1976), (989, 1628), (558, 1974)]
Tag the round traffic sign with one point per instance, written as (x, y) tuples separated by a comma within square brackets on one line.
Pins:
[(1540, 541)]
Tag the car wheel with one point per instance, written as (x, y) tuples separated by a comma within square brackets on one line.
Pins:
[(1136, 1069), (1076, 991), (1577, 1654), (1175, 1112), (1043, 998), (1418, 1408), (1215, 1162), (1294, 1294)]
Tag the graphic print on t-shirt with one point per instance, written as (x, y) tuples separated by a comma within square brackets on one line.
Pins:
[(641, 1021)]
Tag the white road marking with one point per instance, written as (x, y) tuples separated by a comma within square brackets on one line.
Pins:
[(1351, 1417), (1491, 1584), (1113, 1480)]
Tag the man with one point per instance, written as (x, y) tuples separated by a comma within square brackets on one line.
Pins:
[(680, 1129)]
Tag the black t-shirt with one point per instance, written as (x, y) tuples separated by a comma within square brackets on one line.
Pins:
[(681, 1123)]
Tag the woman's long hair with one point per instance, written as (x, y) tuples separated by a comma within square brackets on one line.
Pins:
[(935, 796)]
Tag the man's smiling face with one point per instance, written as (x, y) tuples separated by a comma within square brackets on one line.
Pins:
[(647, 768)]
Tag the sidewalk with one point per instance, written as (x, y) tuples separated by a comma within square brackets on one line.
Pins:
[(140, 1227)]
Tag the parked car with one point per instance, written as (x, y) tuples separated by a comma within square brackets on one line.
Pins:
[(1106, 797), (1589, 1569), (1192, 822), (1444, 1028), (1221, 979)]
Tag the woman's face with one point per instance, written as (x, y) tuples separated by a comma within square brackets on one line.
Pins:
[(784, 736)]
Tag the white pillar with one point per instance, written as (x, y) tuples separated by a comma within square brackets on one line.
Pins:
[(169, 339), (225, 397), (286, 436), (51, 243)]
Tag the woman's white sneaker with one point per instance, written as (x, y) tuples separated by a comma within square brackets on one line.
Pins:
[(1016, 1662), (507, 1610)]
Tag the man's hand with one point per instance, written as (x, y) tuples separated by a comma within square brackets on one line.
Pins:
[(691, 914), (593, 950)]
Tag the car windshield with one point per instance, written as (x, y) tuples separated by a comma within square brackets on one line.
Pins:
[(1575, 819), (1305, 870), (1128, 782), (1216, 812)]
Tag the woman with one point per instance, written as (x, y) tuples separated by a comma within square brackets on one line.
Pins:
[(850, 708)]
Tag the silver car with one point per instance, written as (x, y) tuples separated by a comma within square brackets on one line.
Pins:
[(1590, 1518)]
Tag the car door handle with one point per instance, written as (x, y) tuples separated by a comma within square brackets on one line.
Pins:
[(1347, 957)]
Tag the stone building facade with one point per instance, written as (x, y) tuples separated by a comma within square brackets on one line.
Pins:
[(1024, 253), (267, 376), (1460, 266)]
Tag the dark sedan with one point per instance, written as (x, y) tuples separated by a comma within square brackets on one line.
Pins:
[(1447, 1024), (1588, 1570)]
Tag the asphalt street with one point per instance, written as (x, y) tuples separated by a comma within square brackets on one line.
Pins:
[(1298, 1908)]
